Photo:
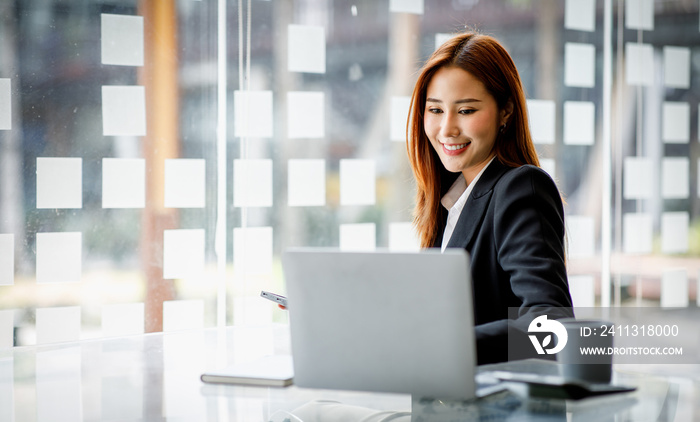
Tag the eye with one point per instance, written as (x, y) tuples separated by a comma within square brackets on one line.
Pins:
[(434, 110), (467, 111)]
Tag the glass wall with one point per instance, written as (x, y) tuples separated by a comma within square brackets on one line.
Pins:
[(156, 157)]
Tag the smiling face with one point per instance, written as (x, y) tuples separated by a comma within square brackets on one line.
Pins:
[(462, 120)]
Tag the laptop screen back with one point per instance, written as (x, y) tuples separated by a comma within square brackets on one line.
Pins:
[(382, 321)]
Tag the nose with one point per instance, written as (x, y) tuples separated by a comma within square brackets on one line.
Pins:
[(449, 127)]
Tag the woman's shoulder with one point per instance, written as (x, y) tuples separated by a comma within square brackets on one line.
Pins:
[(527, 179), (527, 172)]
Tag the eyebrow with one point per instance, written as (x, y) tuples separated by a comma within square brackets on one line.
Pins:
[(462, 101)]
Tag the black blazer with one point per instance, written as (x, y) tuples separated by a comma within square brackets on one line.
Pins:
[(512, 225)]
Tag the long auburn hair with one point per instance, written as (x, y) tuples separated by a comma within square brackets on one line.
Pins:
[(487, 60)]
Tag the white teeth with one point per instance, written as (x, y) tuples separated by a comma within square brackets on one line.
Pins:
[(451, 147)]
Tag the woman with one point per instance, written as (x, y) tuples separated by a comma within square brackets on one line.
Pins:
[(479, 187)]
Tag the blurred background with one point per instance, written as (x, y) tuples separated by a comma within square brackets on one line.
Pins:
[(156, 157)]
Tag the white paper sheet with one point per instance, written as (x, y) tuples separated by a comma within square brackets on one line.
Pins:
[(581, 232), (306, 49), (183, 253), (637, 233), (579, 123), (403, 237), (579, 65), (675, 178), (582, 289), (123, 183), (639, 14), (306, 182), (5, 104), (59, 388), (306, 115), (185, 183), (122, 40), (122, 319), (183, 315), (123, 110), (677, 67), (579, 15), (7, 259), (542, 120), (58, 257), (358, 237), (639, 64), (674, 289), (638, 178), (440, 38), (59, 182), (252, 183), (399, 117), (674, 232), (7, 324), (252, 114), (252, 250), (676, 122), (357, 182), (60, 324), (406, 6)]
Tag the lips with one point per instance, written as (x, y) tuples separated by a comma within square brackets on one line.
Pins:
[(454, 149)]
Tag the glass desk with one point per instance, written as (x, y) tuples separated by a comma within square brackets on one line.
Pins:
[(155, 377)]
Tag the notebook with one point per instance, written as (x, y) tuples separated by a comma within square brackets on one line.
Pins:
[(268, 371), (382, 321)]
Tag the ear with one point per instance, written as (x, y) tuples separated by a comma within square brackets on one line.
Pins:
[(506, 112)]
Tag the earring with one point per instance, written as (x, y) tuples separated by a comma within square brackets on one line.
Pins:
[(502, 128)]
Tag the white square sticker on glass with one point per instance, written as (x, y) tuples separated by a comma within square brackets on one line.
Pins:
[(5, 104), (579, 65), (677, 67), (122, 40), (252, 183), (183, 253), (550, 166), (675, 178), (123, 110), (582, 288), (54, 325), (399, 118), (406, 6), (306, 182), (639, 14), (637, 233), (674, 232), (252, 250), (358, 237), (59, 182), (579, 123), (58, 257), (306, 115), (639, 64), (123, 183), (185, 181), (675, 118), (579, 15), (441, 38), (674, 289), (7, 325), (638, 178), (581, 232), (122, 319), (252, 114), (7, 259), (542, 120), (403, 237), (306, 49), (357, 182), (183, 315)]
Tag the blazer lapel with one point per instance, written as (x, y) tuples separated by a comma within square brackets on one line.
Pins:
[(469, 220)]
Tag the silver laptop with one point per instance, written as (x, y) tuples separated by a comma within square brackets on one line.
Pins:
[(382, 321)]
